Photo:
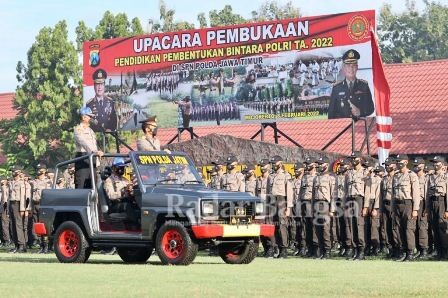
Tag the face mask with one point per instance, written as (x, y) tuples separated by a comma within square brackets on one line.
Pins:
[(230, 167), (390, 169), (417, 169), (355, 162), (297, 173), (276, 167), (322, 168), (120, 171), (154, 132), (309, 168), (438, 167), (248, 175), (71, 172), (41, 173), (342, 170), (264, 170)]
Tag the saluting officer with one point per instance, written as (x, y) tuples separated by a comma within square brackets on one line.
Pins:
[(17, 203), (370, 209), (279, 187), (233, 180), (423, 212), (354, 188), (251, 179), (40, 183), (406, 203), (437, 199), (149, 141), (85, 143), (306, 206), (4, 208), (102, 106), (215, 182), (324, 195), (350, 97), (387, 215)]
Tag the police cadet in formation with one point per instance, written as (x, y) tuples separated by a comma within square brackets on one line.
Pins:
[(324, 194), (294, 219), (4, 212), (269, 243), (40, 183), (306, 207), (438, 206), (215, 182), (149, 141), (354, 188), (339, 220), (406, 204), (28, 218), (102, 106), (85, 142), (69, 177), (250, 179), (386, 212), (279, 187), (233, 180), (423, 212), (17, 209), (370, 209)]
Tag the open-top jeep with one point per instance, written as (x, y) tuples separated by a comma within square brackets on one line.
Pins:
[(171, 210)]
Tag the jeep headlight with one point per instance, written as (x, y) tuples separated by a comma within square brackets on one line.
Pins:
[(259, 208), (208, 208)]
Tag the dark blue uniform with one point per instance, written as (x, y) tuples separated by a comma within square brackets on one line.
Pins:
[(360, 96), (104, 112)]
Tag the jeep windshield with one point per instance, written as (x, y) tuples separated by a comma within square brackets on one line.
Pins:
[(155, 169)]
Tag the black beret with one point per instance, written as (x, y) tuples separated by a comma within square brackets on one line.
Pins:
[(276, 159), (401, 157), (99, 76), (351, 56), (231, 159), (356, 154), (308, 160), (16, 168), (389, 161), (418, 160), (379, 169), (298, 165), (323, 159), (250, 168), (438, 158), (218, 162), (263, 162), (41, 166)]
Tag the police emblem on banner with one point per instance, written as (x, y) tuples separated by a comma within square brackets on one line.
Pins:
[(94, 59), (358, 28)]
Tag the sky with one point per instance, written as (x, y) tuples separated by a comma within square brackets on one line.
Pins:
[(21, 20)]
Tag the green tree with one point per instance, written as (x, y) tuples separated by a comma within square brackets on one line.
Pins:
[(46, 101), (271, 10), (225, 17), (202, 20)]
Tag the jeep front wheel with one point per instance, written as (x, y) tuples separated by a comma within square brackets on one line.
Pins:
[(135, 255), (174, 244), (242, 253), (70, 244)]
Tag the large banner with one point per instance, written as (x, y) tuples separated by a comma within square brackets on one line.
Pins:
[(287, 70)]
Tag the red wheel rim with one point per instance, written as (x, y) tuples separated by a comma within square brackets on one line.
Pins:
[(234, 252), (172, 244), (68, 243)]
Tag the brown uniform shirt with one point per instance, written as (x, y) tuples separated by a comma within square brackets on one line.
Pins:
[(4, 194), (373, 191), (115, 187), (262, 187), (340, 185), (85, 139), (406, 187), (279, 184), (17, 193), (233, 182), (325, 189), (145, 144), (38, 186), (296, 186), (355, 183), (251, 185), (306, 187), (438, 186)]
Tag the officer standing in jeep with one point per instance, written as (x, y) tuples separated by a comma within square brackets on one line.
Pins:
[(233, 180), (280, 189), (149, 141)]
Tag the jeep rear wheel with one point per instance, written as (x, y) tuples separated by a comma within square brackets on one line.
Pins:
[(135, 255), (242, 253), (70, 244), (174, 244)]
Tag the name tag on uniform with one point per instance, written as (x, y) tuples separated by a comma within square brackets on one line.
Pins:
[(341, 93)]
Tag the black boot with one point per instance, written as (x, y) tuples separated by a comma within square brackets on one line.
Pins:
[(423, 254), (401, 257), (360, 255), (317, 253), (14, 250), (309, 253), (348, 253), (341, 251), (44, 248), (326, 255), (20, 249), (269, 253), (283, 253), (355, 254), (409, 256)]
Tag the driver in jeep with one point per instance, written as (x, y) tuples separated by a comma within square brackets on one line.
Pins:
[(118, 188)]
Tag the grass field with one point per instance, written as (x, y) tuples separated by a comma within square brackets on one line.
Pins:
[(32, 275)]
